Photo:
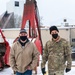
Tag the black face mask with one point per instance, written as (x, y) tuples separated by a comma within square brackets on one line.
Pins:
[(23, 38), (54, 36)]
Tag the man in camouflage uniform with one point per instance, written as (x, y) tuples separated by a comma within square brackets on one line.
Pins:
[(57, 52)]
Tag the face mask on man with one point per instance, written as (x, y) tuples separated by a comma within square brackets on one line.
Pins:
[(54, 36), (23, 38)]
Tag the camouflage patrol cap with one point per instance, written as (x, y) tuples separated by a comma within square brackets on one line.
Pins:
[(53, 28), (23, 31)]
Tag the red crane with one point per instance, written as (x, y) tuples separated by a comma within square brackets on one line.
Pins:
[(31, 15)]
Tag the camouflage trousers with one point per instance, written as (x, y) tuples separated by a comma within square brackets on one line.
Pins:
[(61, 72)]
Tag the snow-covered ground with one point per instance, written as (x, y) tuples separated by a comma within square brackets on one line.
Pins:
[(8, 71)]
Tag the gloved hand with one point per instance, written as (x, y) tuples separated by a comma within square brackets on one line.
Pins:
[(67, 70), (43, 70)]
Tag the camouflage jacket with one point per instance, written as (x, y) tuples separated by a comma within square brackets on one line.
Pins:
[(57, 53)]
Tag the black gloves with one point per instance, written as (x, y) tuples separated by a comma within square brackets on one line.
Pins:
[(43, 70), (67, 70)]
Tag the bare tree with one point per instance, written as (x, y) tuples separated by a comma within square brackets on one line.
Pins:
[(17, 21), (41, 18)]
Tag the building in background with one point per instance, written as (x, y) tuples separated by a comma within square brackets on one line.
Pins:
[(15, 6)]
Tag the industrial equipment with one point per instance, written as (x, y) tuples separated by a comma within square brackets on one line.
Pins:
[(4, 51), (31, 15)]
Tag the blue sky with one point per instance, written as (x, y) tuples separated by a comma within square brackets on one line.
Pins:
[(51, 11)]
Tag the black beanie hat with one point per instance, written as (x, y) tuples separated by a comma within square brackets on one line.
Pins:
[(53, 28)]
